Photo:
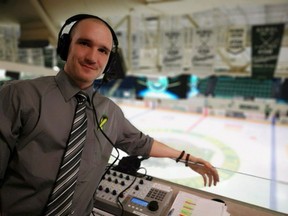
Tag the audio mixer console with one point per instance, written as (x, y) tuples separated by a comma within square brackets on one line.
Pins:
[(144, 197)]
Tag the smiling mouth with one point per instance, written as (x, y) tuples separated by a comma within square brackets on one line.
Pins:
[(88, 67)]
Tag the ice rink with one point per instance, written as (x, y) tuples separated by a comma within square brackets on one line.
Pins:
[(251, 157)]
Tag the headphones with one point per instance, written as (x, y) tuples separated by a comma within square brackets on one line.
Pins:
[(64, 40)]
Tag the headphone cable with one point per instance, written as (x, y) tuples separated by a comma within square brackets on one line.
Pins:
[(109, 140), (103, 133)]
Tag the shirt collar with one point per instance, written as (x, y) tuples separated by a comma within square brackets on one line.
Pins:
[(67, 87)]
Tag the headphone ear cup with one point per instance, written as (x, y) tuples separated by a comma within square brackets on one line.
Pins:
[(111, 60), (63, 46), (116, 68), (108, 72)]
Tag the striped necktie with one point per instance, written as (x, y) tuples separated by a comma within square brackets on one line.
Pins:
[(60, 200)]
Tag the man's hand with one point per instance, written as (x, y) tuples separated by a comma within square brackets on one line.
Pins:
[(205, 169)]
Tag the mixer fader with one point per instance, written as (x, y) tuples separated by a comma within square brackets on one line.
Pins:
[(142, 196)]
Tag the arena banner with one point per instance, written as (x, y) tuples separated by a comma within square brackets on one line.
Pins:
[(234, 57), (148, 53), (236, 40), (266, 42), (172, 44), (172, 47), (136, 38), (204, 42), (148, 58), (135, 50), (188, 47)]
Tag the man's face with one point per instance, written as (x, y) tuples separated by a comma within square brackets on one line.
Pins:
[(89, 50)]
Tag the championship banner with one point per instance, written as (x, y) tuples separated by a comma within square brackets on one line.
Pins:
[(172, 44), (187, 50), (136, 42), (148, 58), (135, 50), (266, 42), (204, 41), (234, 57), (172, 50), (236, 40), (148, 52)]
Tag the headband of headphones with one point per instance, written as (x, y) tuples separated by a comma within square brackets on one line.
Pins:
[(64, 38)]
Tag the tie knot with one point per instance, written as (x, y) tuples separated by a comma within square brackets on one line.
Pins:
[(81, 97)]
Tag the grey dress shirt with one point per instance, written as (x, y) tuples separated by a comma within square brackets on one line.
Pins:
[(35, 122)]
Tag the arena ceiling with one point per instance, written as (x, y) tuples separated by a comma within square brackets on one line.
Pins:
[(42, 19)]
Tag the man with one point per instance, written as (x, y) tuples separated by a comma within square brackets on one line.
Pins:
[(36, 118)]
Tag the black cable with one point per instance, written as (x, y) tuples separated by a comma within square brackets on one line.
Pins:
[(118, 154), (122, 192), (104, 134), (114, 156)]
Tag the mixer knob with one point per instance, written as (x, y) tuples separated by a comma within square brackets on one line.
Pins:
[(121, 175), (114, 173), (122, 183), (116, 181), (141, 181), (107, 190), (114, 192), (137, 187), (127, 177), (109, 179), (100, 187), (153, 205)]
